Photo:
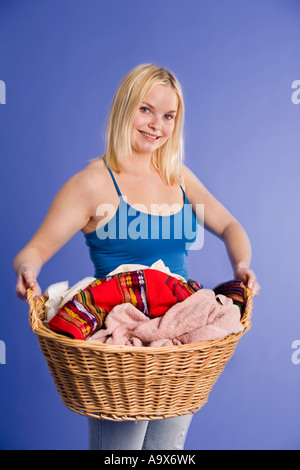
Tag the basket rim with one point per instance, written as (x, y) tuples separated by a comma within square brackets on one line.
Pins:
[(40, 330)]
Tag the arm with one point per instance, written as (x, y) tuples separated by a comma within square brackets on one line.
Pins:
[(69, 212), (219, 221)]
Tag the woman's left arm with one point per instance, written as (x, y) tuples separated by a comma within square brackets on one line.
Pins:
[(218, 220)]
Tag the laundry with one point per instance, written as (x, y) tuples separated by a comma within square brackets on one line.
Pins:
[(159, 265), (59, 293), (55, 294), (152, 292), (235, 290), (201, 317)]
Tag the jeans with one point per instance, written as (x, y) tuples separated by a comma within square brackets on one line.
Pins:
[(162, 434)]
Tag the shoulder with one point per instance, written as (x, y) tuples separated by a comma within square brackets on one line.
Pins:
[(188, 179), (195, 190), (87, 186), (185, 172), (93, 171), (92, 177)]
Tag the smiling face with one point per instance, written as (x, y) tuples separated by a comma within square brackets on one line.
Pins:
[(154, 120)]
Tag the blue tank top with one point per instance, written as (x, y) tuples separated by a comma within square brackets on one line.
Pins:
[(135, 237)]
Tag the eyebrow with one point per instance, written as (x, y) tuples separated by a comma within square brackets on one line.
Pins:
[(150, 106)]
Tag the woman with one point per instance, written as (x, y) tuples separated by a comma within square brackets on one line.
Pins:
[(142, 168)]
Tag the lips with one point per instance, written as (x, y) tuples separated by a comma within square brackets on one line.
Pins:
[(150, 137)]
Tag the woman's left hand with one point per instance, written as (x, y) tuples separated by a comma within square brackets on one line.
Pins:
[(247, 276)]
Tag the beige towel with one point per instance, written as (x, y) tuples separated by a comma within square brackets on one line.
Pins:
[(202, 316)]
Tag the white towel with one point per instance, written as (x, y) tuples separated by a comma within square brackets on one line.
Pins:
[(60, 293), (158, 265)]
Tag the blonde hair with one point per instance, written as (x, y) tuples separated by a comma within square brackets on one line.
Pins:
[(134, 87)]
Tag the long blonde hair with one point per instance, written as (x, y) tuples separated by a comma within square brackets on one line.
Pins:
[(134, 87)]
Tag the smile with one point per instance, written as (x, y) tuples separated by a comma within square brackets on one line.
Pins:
[(150, 137)]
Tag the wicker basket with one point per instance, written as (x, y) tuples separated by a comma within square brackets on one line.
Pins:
[(128, 382)]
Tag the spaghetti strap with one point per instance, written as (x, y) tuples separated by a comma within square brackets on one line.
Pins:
[(185, 197), (113, 178), (117, 187)]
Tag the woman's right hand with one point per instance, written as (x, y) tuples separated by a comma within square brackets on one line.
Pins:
[(26, 279)]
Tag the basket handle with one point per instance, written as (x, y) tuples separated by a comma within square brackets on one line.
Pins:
[(249, 305), (36, 309)]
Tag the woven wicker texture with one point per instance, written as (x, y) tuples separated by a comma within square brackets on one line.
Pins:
[(128, 382)]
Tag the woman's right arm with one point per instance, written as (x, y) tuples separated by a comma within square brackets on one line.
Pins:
[(69, 212)]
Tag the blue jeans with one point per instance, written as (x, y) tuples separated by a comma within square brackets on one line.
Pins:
[(162, 434)]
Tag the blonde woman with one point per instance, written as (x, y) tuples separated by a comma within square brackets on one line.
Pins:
[(136, 204)]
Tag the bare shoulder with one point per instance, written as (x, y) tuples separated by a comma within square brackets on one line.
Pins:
[(190, 181), (217, 217), (185, 173), (88, 182), (92, 175), (196, 192)]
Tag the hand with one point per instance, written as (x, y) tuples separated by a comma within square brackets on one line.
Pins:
[(247, 276), (26, 279)]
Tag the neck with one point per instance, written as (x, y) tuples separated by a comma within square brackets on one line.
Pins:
[(138, 163)]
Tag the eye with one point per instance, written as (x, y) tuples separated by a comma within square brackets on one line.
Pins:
[(169, 117), (144, 109)]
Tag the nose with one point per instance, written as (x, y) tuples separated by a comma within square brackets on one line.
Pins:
[(155, 122)]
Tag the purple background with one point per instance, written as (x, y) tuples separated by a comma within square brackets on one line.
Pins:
[(236, 60)]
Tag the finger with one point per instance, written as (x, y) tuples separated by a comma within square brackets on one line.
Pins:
[(21, 295), (256, 289), (36, 291), (251, 279), (20, 288), (29, 278)]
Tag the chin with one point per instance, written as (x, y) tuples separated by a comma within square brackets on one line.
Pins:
[(145, 148)]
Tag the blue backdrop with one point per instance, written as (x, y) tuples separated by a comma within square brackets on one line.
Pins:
[(61, 62)]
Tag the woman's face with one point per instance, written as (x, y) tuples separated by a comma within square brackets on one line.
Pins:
[(155, 119)]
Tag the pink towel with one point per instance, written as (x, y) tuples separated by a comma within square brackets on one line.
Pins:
[(202, 316)]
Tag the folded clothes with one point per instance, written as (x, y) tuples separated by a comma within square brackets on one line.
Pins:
[(201, 317), (151, 291)]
